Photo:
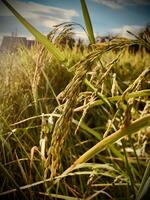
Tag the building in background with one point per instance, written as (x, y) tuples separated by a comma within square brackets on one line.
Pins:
[(12, 43)]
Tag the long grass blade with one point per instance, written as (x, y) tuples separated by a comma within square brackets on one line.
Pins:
[(145, 184), (87, 21)]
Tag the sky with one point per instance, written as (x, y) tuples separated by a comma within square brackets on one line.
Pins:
[(107, 16)]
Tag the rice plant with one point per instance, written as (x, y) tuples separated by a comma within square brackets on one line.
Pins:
[(75, 124)]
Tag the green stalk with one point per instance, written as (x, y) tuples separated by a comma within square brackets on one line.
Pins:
[(87, 21), (39, 37)]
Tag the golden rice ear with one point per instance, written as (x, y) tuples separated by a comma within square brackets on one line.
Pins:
[(63, 125)]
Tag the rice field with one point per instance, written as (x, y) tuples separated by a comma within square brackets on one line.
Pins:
[(75, 119)]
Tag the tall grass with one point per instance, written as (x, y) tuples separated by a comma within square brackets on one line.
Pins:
[(74, 125)]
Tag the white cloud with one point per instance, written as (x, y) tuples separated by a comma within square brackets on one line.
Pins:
[(43, 15), (122, 31), (81, 34), (117, 4), (109, 3), (51, 21)]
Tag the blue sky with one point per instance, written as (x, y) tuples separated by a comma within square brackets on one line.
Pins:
[(108, 16)]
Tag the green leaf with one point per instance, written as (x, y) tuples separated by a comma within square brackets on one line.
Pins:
[(145, 184), (144, 192), (39, 37), (87, 21)]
